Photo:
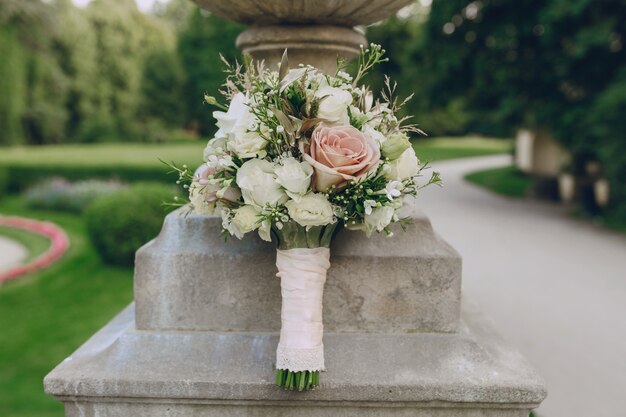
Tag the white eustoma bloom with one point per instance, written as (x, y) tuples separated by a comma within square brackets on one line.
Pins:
[(258, 185), (313, 209), (334, 105), (245, 219), (264, 231), (406, 166), (295, 177), (239, 127), (374, 134), (378, 219)]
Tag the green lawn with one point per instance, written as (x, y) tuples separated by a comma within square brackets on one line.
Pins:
[(104, 154), (34, 243), (46, 315), (436, 149), (147, 155), (508, 181)]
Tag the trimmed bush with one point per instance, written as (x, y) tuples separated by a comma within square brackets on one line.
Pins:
[(23, 176), (119, 223), (62, 195), (4, 181)]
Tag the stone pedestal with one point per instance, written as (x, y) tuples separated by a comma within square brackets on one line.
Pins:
[(201, 338)]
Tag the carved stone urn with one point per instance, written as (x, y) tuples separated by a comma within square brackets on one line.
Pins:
[(315, 32)]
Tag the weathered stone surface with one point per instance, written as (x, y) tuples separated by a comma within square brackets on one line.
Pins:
[(190, 279), (264, 409), (345, 13), (318, 45), (122, 372)]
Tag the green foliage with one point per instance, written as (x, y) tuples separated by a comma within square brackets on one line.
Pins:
[(119, 223), (121, 30), (12, 86), (199, 47), (551, 65), (162, 87), (4, 181)]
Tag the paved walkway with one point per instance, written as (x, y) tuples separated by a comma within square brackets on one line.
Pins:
[(554, 286), (12, 253)]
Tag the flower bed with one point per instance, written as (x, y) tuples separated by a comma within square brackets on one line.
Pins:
[(59, 243)]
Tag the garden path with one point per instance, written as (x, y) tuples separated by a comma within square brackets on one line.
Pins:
[(12, 253), (554, 286)]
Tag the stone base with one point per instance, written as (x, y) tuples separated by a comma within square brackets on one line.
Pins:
[(124, 372)]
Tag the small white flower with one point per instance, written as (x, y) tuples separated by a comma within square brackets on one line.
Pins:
[(393, 189), (369, 205), (280, 129), (344, 75)]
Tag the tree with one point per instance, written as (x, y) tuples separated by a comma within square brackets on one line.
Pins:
[(553, 65), (162, 88), (33, 89), (199, 47), (125, 37)]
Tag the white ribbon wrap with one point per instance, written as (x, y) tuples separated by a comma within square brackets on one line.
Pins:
[(302, 274)]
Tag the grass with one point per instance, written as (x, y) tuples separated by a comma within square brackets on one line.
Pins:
[(147, 155), (47, 315), (34, 243), (508, 181)]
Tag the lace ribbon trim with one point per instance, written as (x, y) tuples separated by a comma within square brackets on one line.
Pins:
[(298, 360)]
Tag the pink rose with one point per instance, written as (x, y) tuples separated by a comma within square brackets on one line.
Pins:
[(340, 154)]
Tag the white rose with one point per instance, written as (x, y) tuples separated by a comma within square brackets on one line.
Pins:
[(245, 219), (378, 219), (198, 199), (238, 125), (258, 185), (334, 105), (406, 166), (312, 210), (295, 177)]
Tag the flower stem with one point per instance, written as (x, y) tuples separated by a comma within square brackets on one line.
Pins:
[(300, 381)]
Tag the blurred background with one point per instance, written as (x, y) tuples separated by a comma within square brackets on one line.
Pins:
[(94, 93)]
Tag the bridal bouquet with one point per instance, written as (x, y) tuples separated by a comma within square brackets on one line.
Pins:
[(299, 154)]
